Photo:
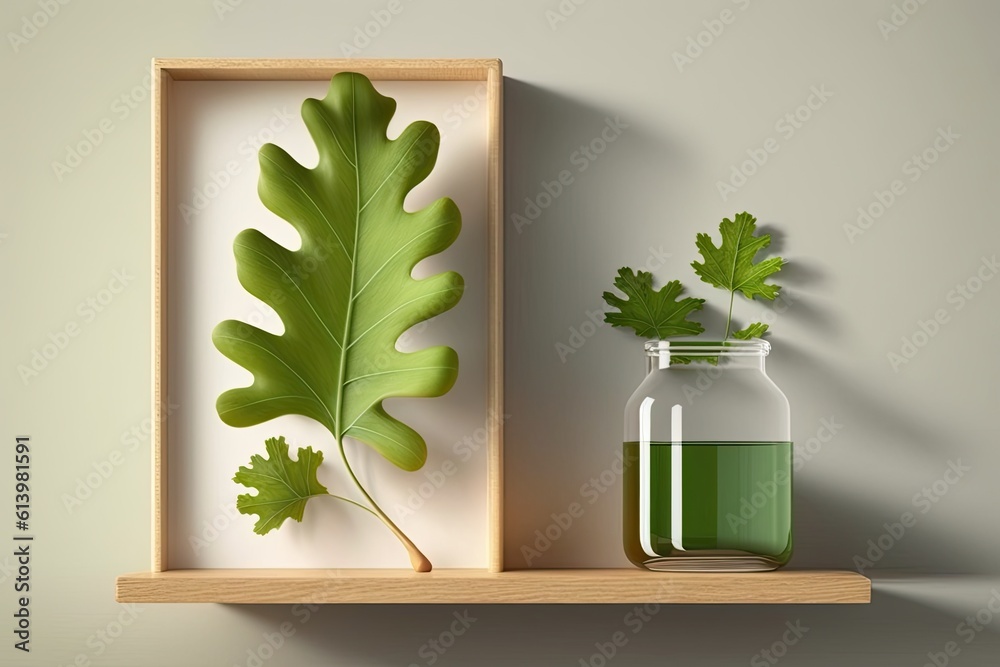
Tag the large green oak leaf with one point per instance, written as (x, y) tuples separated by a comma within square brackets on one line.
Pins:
[(347, 294)]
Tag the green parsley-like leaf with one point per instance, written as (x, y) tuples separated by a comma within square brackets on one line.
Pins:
[(283, 486), (755, 330), (731, 265), (651, 313)]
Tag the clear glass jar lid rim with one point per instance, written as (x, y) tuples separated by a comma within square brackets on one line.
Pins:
[(754, 346)]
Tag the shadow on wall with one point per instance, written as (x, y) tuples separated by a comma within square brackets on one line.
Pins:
[(835, 530), (858, 530), (626, 635), (577, 173)]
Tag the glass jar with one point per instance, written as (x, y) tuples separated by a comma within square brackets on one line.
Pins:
[(708, 454)]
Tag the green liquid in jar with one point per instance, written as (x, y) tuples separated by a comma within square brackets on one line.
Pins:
[(728, 507)]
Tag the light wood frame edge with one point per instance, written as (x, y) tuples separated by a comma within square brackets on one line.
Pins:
[(490, 71), (160, 93), (495, 413)]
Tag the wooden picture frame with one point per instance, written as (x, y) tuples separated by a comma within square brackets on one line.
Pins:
[(488, 585), (164, 73)]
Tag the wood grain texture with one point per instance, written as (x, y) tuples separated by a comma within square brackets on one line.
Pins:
[(273, 69), (495, 365), (160, 102), (610, 586)]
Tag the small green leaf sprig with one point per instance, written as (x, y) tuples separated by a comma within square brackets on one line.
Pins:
[(730, 266)]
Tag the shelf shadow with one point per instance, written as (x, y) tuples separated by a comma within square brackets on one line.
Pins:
[(900, 631)]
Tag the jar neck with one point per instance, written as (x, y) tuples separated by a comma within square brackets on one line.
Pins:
[(698, 355), (664, 362)]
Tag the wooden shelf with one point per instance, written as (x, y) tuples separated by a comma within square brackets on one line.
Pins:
[(609, 586)]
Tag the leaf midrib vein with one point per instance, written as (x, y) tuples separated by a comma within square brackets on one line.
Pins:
[(342, 372)]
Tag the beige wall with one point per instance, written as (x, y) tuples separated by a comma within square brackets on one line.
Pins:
[(889, 94)]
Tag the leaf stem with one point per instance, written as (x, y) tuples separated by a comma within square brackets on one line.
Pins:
[(729, 320), (418, 560), (353, 502)]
